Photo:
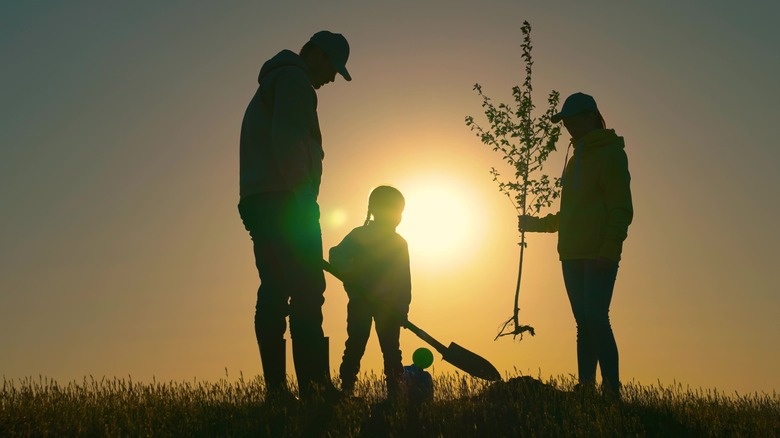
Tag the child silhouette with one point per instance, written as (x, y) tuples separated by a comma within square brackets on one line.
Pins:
[(373, 261)]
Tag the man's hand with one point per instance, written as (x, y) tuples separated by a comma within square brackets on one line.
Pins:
[(401, 314), (306, 198)]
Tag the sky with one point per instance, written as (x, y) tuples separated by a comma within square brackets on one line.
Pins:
[(122, 252)]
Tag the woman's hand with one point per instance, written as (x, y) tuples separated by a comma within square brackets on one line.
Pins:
[(605, 263), (527, 223)]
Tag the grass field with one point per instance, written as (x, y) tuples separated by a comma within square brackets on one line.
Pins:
[(463, 407)]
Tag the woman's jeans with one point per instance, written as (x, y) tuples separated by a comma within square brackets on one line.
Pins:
[(589, 284)]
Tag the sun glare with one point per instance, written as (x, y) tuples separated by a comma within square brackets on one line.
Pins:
[(441, 223)]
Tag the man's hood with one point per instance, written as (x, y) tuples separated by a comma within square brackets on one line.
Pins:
[(600, 138), (285, 58)]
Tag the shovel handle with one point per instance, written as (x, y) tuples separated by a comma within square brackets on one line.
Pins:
[(455, 354), (425, 337), (327, 267)]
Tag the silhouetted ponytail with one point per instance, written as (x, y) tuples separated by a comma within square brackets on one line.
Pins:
[(368, 218), (384, 196)]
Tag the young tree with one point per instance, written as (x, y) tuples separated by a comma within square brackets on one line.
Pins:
[(524, 142)]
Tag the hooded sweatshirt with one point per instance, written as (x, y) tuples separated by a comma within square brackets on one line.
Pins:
[(281, 144), (596, 207)]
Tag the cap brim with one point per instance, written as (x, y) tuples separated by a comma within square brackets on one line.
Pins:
[(343, 72), (557, 117)]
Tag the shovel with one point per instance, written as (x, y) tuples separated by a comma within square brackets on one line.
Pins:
[(456, 355)]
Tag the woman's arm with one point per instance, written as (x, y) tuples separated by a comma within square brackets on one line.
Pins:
[(531, 224), (615, 183)]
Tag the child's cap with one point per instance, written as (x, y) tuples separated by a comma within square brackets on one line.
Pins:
[(422, 358)]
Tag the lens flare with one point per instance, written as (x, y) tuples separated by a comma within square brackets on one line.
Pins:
[(335, 218)]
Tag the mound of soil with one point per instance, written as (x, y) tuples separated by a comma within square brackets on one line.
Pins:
[(523, 386)]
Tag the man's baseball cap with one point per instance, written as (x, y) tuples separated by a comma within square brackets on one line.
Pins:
[(337, 49), (575, 104)]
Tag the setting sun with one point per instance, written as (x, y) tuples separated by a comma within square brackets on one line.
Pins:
[(125, 253), (442, 222)]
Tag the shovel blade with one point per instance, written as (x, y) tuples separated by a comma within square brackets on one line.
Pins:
[(471, 362)]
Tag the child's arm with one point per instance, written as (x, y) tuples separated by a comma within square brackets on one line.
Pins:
[(407, 277), (343, 258), (404, 281)]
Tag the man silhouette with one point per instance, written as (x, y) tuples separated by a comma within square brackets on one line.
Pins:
[(281, 168)]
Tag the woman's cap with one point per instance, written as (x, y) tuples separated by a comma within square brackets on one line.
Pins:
[(337, 49), (575, 104)]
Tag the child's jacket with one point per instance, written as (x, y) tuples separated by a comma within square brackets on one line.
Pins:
[(374, 262)]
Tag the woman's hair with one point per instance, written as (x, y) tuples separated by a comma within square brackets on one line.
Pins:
[(600, 118), (384, 197)]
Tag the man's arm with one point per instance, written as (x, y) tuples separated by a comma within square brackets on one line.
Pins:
[(294, 117)]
